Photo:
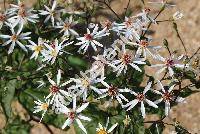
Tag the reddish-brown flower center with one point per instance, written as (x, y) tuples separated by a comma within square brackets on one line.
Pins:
[(112, 91), (2, 17), (67, 26), (140, 97), (14, 37), (169, 62), (128, 23), (88, 36), (54, 89), (167, 96), (127, 58), (72, 115), (22, 13), (144, 43), (147, 10)]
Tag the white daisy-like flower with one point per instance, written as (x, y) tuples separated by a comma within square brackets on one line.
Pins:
[(66, 26), (57, 92), (37, 48), (98, 66), (22, 16), (51, 13), (145, 49), (54, 50), (3, 18), (114, 93), (125, 58), (85, 83), (20, 5), (140, 97), (167, 97), (105, 130), (127, 28), (15, 38), (41, 106), (90, 39), (74, 114), (169, 63)]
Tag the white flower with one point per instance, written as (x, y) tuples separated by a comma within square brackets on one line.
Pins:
[(54, 50), (41, 106), (14, 8), (125, 58), (15, 38), (177, 15), (105, 130), (90, 39), (52, 13), (37, 48), (66, 26), (169, 63), (140, 97), (41, 83), (85, 83), (3, 18), (23, 16), (74, 114), (57, 92), (144, 49), (98, 66), (114, 93), (167, 97)]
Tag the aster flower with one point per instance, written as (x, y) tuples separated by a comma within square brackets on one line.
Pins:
[(145, 49), (90, 39), (74, 114), (57, 92), (167, 97), (105, 130), (66, 26), (140, 97), (98, 66), (128, 30), (113, 92), (52, 13), (22, 16), (15, 38), (3, 18), (125, 58), (54, 50), (37, 48), (85, 83), (41, 106), (169, 63), (20, 5)]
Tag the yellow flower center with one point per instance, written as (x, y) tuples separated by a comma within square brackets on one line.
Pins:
[(53, 53), (44, 106), (38, 48), (102, 131), (85, 83)]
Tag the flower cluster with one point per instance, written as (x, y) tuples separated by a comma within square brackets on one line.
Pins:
[(130, 51)]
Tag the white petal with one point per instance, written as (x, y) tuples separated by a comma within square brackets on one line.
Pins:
[(147, 88), (58, 77), (84, 118), (67, 123), (151, 103), (142, 109), (81, 125), (82, 107), (112, 128)]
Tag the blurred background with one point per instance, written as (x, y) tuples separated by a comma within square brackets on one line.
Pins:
[(188, 114)]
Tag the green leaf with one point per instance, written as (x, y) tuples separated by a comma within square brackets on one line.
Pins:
[(77, 62), (7, 97), (17, 126)]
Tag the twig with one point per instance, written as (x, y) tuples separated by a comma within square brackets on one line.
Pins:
[(37, 120), (195, 53), (126, 8), (105, 3)]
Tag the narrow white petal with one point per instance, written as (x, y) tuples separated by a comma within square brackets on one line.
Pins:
[(112, 128), (82, 107), (81, 125)]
